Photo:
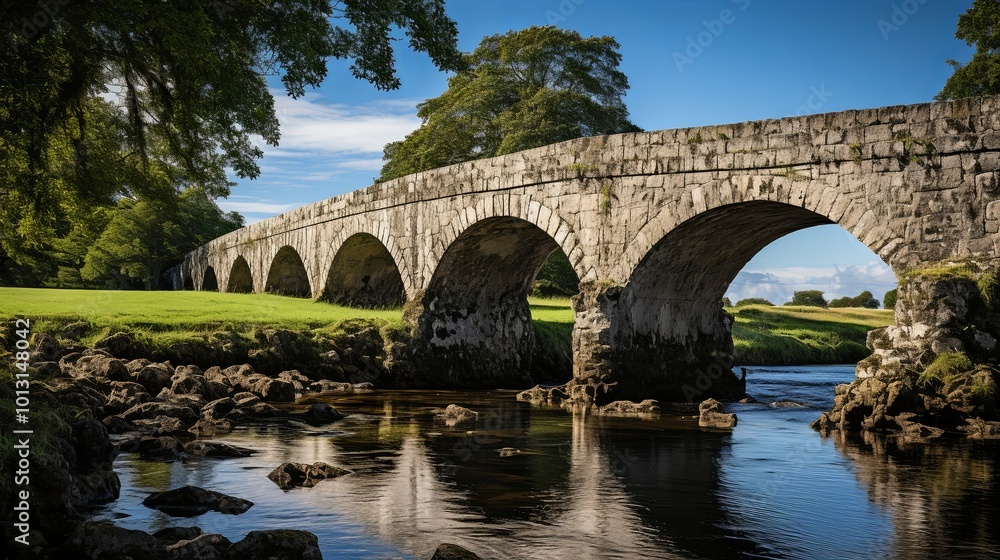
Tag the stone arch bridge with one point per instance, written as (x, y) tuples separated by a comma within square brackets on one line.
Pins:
[(656, 225)]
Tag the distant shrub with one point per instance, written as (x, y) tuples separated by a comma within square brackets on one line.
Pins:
[(809, 298), (726, 302), (865, 299), (890, 299), (753, 301)]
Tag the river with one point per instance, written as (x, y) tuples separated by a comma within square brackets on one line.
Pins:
[(596, 487)]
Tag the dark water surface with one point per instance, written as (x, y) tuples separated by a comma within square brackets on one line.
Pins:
[(595, 487)]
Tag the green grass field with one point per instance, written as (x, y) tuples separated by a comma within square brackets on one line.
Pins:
[(762, 335)]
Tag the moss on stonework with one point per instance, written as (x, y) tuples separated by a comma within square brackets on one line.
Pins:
[(944, 367)]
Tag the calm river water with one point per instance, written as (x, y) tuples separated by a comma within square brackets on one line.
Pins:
[(593, 487)]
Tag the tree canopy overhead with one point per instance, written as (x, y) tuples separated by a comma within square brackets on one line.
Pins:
[(979, 27), (519, 90), (108, 99)]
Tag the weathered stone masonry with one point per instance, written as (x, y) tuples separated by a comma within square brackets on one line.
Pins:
[(656, 225)]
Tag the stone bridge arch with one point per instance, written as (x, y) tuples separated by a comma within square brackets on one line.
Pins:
[(473, 313), (287, 274), (365, 271), (240, 277), (209, 281)]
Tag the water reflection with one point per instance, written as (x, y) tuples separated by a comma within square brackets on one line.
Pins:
[(943, 496), (524, 482)]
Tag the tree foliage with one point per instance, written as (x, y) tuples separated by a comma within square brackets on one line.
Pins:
[(810, 298), (865, 299), (890, 299), (519, 90), (979, 27), (189, 83), (753, 301), (144, 237)]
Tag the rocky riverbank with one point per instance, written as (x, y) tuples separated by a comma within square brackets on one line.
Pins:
[(936, 371), (89, 404)]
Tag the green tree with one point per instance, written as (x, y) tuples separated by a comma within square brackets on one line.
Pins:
[(810, 298), (145, 237), (890, 299), (519, 90), (865, 299), (978, 27), (556, 278), (191, 79), (753, 301)]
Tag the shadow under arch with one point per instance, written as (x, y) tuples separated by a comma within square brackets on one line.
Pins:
[(475, 316), (240, 277), (287, 275), (364, 274), (672, 338), (189, 282), (210, 283)]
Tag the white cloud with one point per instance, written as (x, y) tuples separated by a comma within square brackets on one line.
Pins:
[(779, 284), (259, 207), (308, 125)]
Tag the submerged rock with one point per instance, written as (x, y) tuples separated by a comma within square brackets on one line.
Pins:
[(215, 449), (320, 414), (629, 408), (711, 415), (188, 501), (448, 551), (454, 415), (290, 475)]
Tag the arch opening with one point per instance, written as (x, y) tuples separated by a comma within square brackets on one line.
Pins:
[(210, 283), (673, 337), (240, 277), (188, 282), (364, 274), (287, 275), (476, 317)]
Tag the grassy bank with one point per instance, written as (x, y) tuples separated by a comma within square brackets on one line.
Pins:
[(762, 334), (765, 335)]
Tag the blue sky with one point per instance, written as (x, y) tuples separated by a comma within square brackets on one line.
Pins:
[(689, 63)]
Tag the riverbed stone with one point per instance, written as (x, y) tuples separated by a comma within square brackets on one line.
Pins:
[(278, 544), (290, 475), (189, 501), (710, 415), (454, 414), (448, 551)]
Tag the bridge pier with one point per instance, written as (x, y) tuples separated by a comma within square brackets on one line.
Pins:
[(619, 359)]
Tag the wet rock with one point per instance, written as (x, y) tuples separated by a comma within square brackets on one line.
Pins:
[(449, 551), (188, 501), (207, 427), (134, 366), (125, 395), (81, 393), (154, 377), (100, 368), (272, 390), (319, 414), (117, 425), (366, 387), (454, 414), (281, 544), (508, 452), (215, 449), (629, 408), (150, 410), (710, 415), (245, 399), (218, 408), (202, 547), (298, 381), (171, 535), (95, 482), (290, 475), (100, 540), (163, 426), (327, 386), (977, 428), (163, 448)]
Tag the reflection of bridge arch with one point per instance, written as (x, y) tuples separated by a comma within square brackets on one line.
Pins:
[(645, 218)]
